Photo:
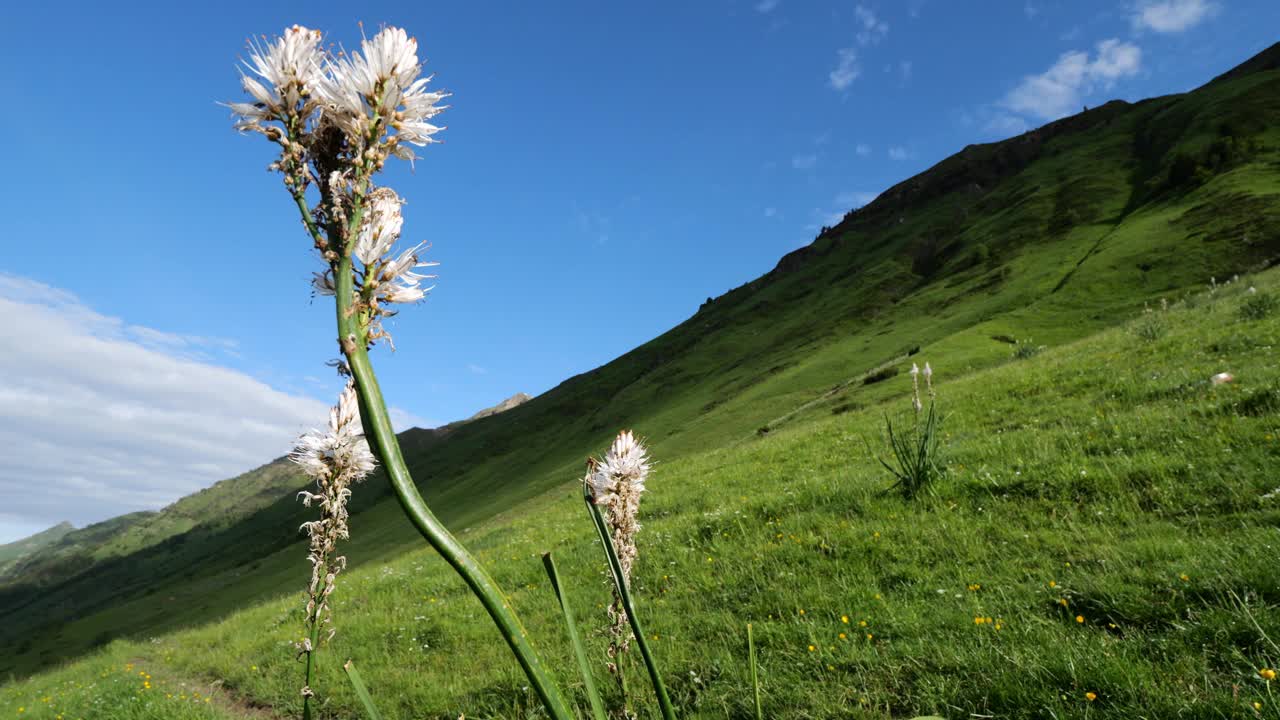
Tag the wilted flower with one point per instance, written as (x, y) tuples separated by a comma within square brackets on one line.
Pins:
[(928, 378), (335, 459)]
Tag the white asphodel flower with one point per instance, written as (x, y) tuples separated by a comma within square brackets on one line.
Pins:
[(418, 107), (624, 468), (322, 283), (915, 388), (381, 227), (382, 81), (398, 283), (290, 65), (339, 455)]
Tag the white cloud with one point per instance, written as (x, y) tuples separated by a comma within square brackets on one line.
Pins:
[(905, 69), (1171, 16), (863, 149), (767, 6), (897, 152), (101, 417), (824, 218), (847, 69), (871, 30), (855, 199), (770, 212), (804, 161), (1060, 89), (476, 369), (402, 420), (1005, 124)]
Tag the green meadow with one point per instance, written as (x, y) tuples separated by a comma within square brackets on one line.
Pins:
[(1105, 524), (1101, 542)]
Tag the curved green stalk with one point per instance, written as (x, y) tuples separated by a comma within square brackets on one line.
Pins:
[(377, 428), (624, 594), (593, 695)]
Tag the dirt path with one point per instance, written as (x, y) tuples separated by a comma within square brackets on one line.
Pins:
[(227, 699)]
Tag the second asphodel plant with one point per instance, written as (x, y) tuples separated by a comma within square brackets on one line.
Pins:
[(337, 119)]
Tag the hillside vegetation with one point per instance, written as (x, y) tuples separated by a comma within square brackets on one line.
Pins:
[(1105, 525), (1106, 466)]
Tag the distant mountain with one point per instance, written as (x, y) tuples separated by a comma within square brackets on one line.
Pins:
[(71, 552), (15, 551), (1050, 235)]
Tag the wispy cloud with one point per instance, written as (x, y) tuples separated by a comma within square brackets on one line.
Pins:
[(594, 225), (863, 149), (871, 29), (868, 30), (402, 420), (804, 161), (1060, 89), (898, 152), (475, 369), (767, 6), (847, 69), (103, 417), (854, 199), (1171, 16), (770, 212), (1004, 124)]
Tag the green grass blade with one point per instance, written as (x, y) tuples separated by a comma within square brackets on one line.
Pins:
[(593, 695), (755, 677), (361, 691), (619, 582)]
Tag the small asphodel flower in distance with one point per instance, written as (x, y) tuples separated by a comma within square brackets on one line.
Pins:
[(617, 481)]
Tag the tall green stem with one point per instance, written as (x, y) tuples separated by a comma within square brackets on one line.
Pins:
[(377, 427), (306, 699)]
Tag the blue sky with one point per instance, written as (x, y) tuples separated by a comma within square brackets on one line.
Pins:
[(606, 168)]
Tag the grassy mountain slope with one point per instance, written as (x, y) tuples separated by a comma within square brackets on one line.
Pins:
[(1051, 235), (1101, 546)]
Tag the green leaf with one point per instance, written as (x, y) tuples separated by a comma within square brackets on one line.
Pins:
[(361, 691), (597, 705)]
